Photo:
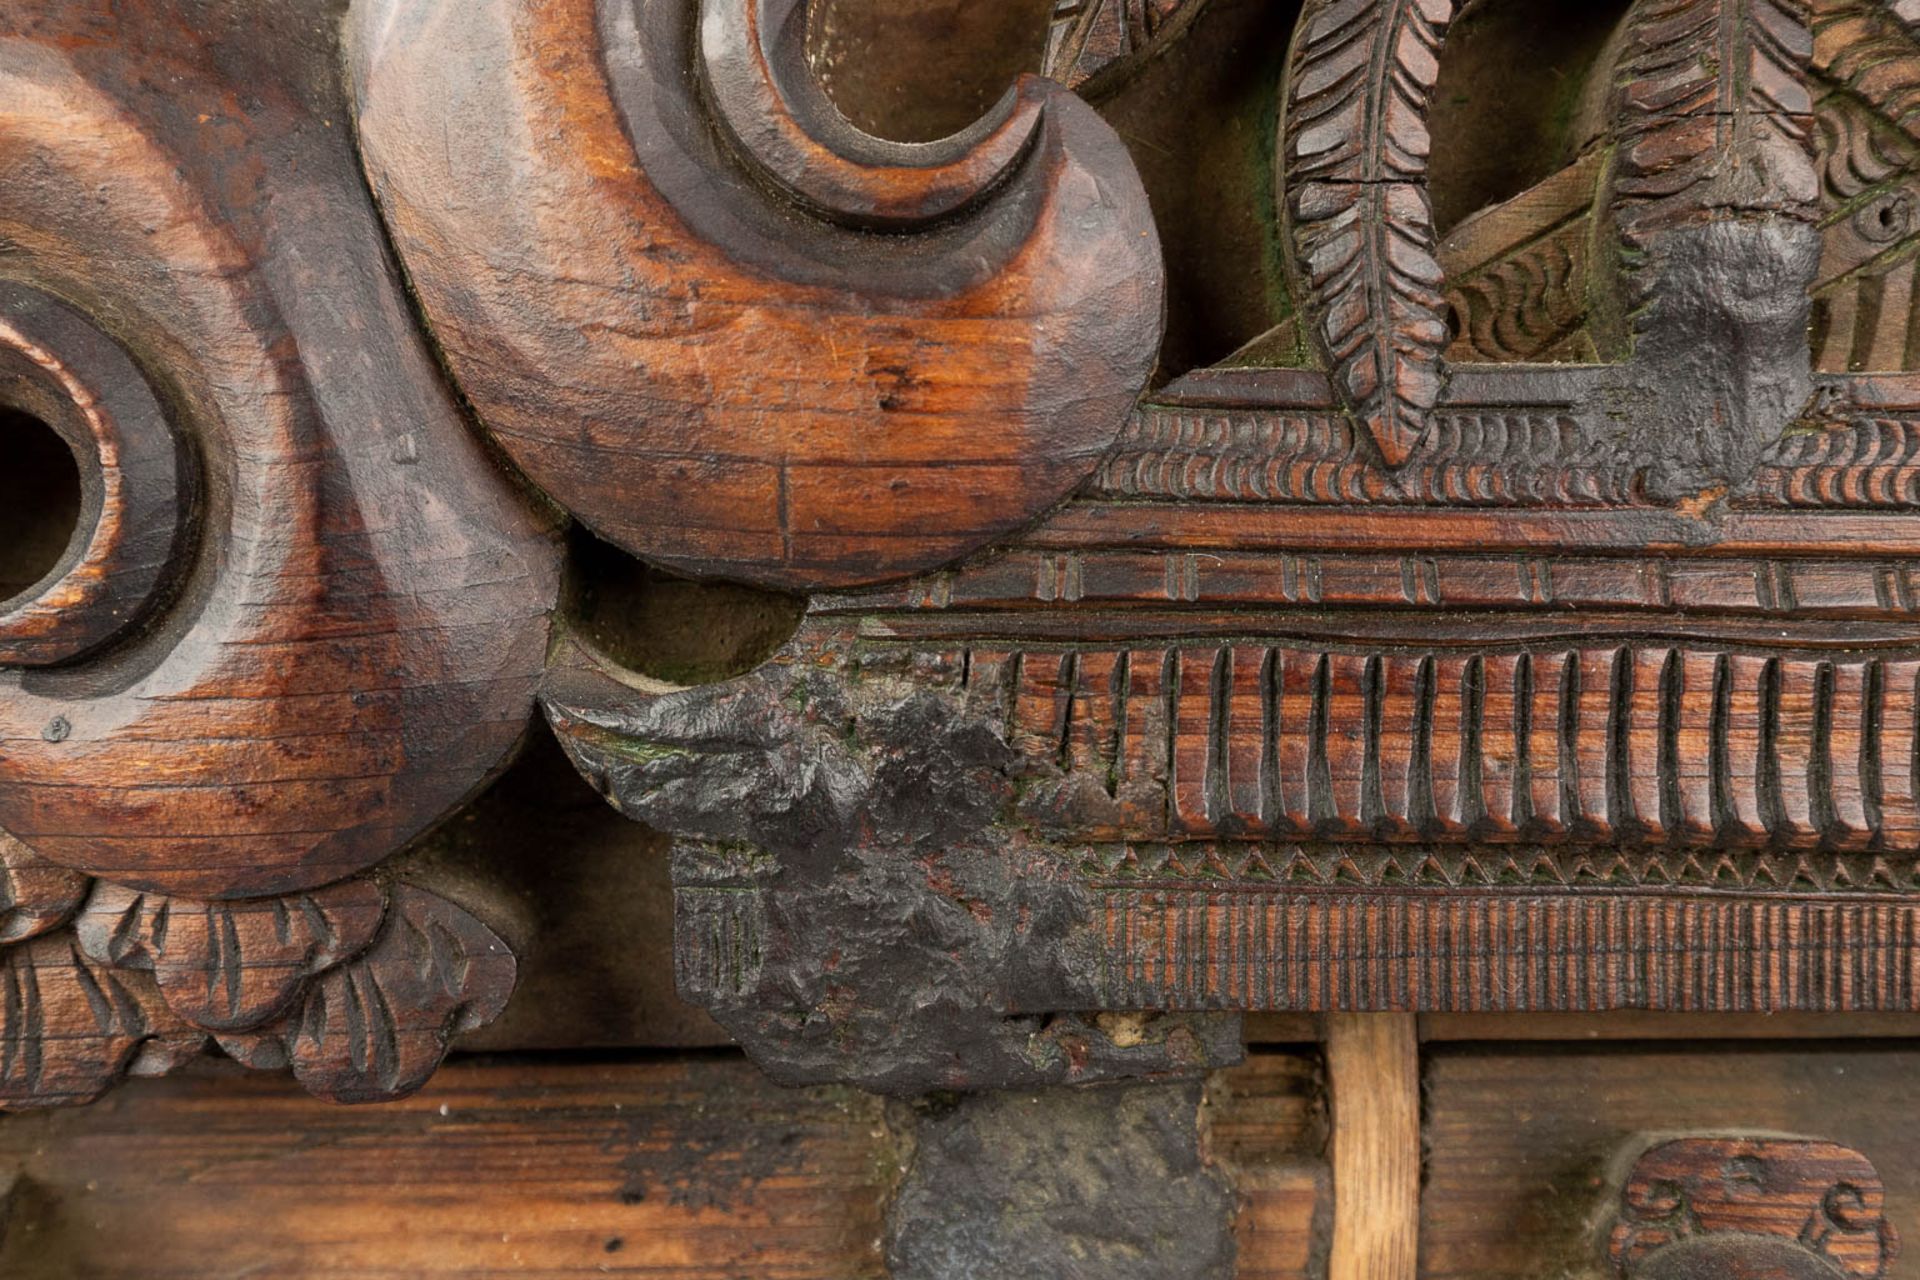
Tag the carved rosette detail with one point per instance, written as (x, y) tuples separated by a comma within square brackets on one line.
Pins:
[(1719, 1206)]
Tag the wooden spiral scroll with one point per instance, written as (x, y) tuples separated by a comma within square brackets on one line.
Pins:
[(306, 613), (1354, 161), (754, 59), (676, 325), (303, 614), (134, 480)]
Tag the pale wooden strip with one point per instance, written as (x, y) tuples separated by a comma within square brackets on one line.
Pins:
[(1373, 1077)]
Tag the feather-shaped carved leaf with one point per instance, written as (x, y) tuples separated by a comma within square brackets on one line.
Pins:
[(377, 1026), (1380, 308), (35, 895), (1094, 43), (1713, 112), (70, 1027), (230, 966), (1359, 87)]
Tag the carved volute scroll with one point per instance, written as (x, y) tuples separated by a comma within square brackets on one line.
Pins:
[(135, 481), (688, 331), (1770, 1208), (303, 612), (357, 600)]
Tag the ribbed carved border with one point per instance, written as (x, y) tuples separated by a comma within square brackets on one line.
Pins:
[(1644, 746), (1288, 950)]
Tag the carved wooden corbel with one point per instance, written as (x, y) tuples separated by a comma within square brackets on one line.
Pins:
[(303, 612)]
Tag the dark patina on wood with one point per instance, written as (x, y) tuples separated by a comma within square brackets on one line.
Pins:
[(1527, 622), (1422, 679), (1762, 1207)]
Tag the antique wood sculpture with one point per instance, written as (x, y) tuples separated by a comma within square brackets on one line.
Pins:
[(1528, 622), (303, 614)]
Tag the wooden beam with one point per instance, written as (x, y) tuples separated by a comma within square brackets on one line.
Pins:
[(1373, 1079)]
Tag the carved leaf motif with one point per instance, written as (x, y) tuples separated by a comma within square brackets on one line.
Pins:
[(1105, 38), (377, 1027), (1356, 149), (1714, 112), (35, 895), (228, 966), (69, 1027)]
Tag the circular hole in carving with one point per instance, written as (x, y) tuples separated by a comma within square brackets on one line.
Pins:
[(39, 500), (672, 628), (919, 71)]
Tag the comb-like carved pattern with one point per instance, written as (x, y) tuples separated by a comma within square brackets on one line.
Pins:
[(1355, 165)]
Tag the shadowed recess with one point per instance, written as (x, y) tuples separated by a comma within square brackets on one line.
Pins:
[(1507, 110), (919, 72), (673, 628), (39, 500)]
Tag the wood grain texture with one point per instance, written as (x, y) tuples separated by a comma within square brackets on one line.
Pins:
[(1373, 1082), (686, 1169), (1625, 1025), (1266, 1124), (1710, 1205), (743, 386), (135, 486), (1095, 44), (1524, 1145), (696, 1170), (348, 650)]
